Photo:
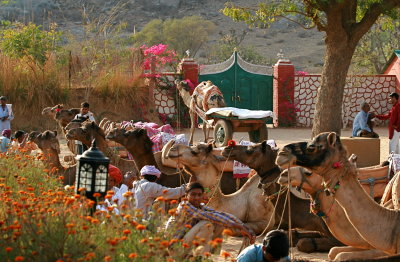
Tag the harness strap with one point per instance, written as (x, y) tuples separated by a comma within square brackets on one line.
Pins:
[(371, 181)]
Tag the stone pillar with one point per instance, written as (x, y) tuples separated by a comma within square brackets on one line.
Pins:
[(189, 70), (283, 97)]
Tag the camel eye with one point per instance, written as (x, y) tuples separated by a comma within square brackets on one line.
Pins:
[(311, 148)]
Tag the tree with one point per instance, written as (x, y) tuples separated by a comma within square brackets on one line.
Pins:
[(344, 22), (187, 33), (376, 47)]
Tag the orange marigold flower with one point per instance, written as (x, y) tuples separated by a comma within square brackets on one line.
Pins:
[(207, 254), (165, 191), (108, 197), (164, 243), (173, 241), (110, 192), (61, 177), (218, 240), (127, 194), (132, 255), (227, 232), (144, 240), (96, 195), (82, 189), (188, 226), (126, 232), (225, 254), (59, 260), (107, 258), (172, 211), (160, 198), (140, 227), (85, 227), (19, 258), (174, 201), (8, 249), (185, 245), (94, 221)]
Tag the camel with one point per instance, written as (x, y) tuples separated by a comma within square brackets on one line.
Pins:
[(89, 131), (49, 144), (139, 145), (326, 156), (247, 203), (205, 96), (331, 212), (261, 157)]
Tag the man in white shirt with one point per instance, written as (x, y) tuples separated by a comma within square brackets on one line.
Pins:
[(6, 114), (85, 113)]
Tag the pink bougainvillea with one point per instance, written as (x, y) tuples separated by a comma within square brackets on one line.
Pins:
[(160, 55), (301, 73)]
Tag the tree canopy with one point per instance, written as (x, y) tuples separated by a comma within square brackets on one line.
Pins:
[(187, 33), (344, 22)]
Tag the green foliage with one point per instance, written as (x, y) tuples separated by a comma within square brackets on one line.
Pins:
[(230, 42), (29, 42), (376, 47), (188, 33)]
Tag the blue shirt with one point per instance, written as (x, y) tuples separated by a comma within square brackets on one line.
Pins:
[(360, 122), (253, 253), (4, 144)]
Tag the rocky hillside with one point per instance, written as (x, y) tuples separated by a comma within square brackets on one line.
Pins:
[(304, 48)]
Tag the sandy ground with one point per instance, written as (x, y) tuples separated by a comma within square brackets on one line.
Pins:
[(282, 136)]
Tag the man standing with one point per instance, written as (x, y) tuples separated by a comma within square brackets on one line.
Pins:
[(361, 127), (85, 113), (275, 247), (6, 114), (394, 123)]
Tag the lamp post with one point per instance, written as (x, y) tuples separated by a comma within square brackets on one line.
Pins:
[(92, 172)]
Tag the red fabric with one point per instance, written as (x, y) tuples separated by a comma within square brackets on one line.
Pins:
[(115, 173), (394, 116)]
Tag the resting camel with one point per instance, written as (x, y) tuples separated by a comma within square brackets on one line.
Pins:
[(247, 203), (205, 96), (48, 143), (139, 145), (89, 131), (326, 156), (332, 213), (261, 157)]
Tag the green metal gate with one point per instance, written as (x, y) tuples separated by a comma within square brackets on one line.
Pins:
[(243, 85)]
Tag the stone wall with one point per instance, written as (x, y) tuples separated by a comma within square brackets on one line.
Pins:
[(373, 89)]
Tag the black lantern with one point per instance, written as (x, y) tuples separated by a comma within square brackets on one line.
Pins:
[(92, 172)]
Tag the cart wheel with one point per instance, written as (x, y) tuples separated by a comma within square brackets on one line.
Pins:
[(223, 132), (257, 136)]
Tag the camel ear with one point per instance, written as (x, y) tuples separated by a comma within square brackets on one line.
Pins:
[(264, 146), (209, 148), (332, 137)]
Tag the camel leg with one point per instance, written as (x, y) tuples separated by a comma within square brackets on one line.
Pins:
[(364, 254), (323, 244), (336, 250), (205, 132), (201, 232), (192, 126)]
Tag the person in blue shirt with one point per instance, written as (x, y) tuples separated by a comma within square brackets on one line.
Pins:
[(5, 140), (362, 125), (275, 247)]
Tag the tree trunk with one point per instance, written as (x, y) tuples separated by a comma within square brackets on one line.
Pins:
[(328, 109)]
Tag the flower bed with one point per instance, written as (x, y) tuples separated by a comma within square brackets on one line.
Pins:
[(42, 221)]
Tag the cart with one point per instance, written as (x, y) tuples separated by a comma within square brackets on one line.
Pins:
[(225, 125)]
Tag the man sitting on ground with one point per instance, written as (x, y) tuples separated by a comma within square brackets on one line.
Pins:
[(195, 221), (5, 140), (21, 142), (362, 125), (275, 247)]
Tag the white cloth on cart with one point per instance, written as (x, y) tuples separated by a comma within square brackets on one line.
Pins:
[(241, 113)]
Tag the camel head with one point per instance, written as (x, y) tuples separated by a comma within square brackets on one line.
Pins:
[(46, 141), (182, 85), (302, 179), (324, 155), (85, 133), (199, 161), (260, 157), (136, 139), (72, 125), (64, 116)]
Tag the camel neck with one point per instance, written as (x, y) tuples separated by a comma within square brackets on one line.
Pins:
[(361, 210), (186, 97), (141, 160), (336, 220), (52, 159)]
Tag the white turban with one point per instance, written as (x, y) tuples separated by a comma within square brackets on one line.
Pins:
[(150, 170)]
